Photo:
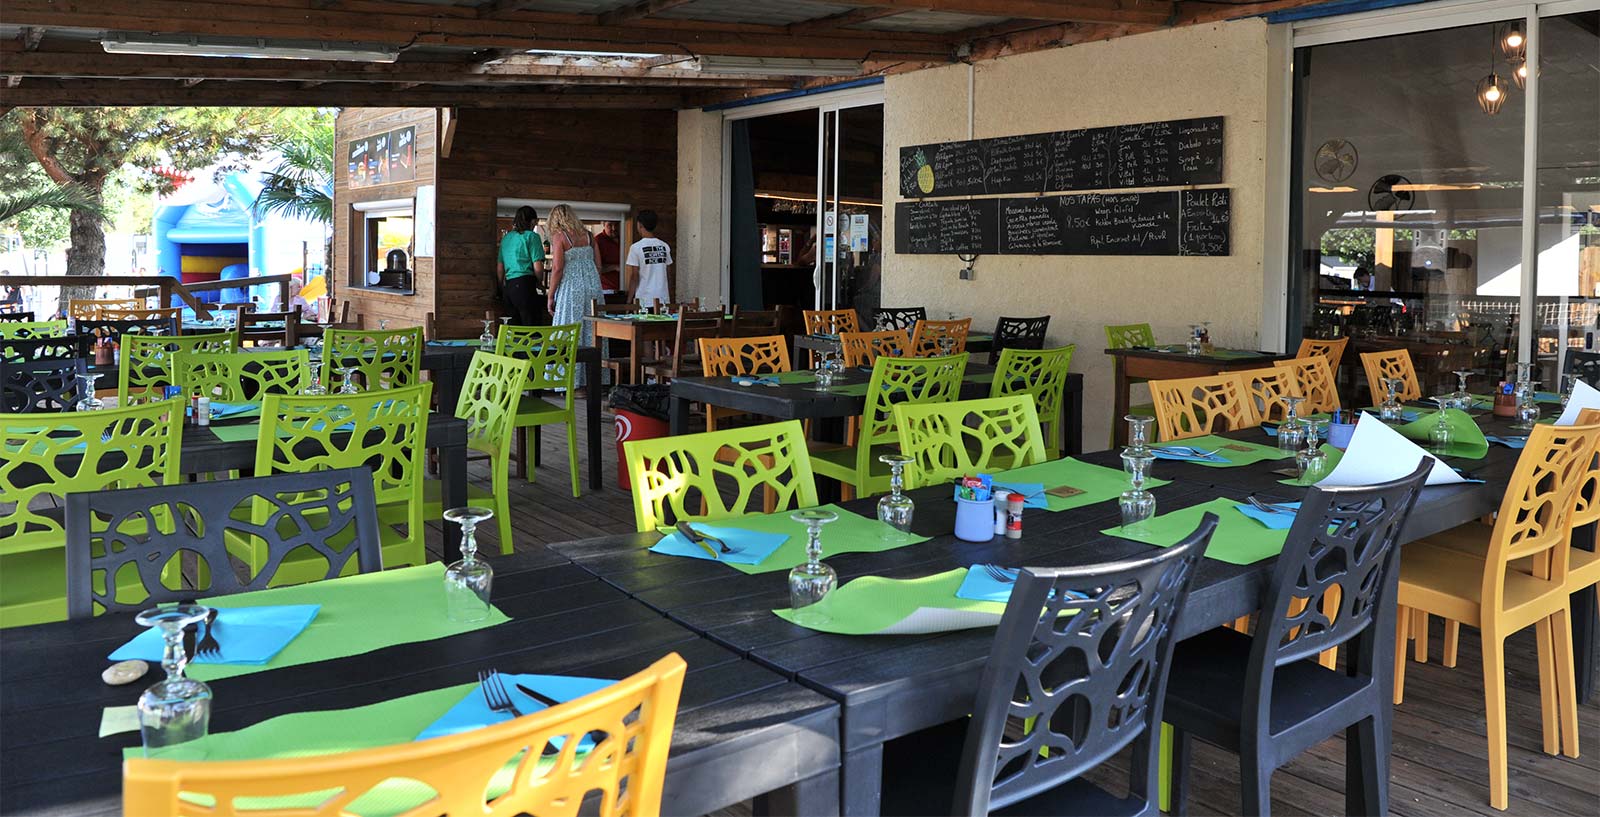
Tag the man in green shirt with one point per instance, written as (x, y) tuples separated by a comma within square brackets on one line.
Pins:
[(522, 270)]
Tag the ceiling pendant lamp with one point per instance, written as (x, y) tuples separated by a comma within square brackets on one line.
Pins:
[(1512, 41), (1520, 74), (1492, 89)]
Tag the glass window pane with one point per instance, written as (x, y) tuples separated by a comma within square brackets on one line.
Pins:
[(1569, 189)]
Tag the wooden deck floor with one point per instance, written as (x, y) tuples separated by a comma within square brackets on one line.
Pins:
[(1439, 766)]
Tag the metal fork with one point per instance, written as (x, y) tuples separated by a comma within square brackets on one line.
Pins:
[(494, 693), (209, 646), (1190, 450), (1269, 507), (1003, 575)]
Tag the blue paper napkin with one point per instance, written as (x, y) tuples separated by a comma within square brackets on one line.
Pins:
[(1546, 397), (474, 713), (1032, 493), (221, 410), (1272, 431), (454, 342), (1508, 442), (1185, 454), (248, 635), (750, 547), (980, 586), (1275, 521), (764, 380)]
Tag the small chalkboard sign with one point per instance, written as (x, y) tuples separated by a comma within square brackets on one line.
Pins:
[(1150, 154), (947, 227)]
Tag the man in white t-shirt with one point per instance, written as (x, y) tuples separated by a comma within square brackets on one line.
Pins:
[(649, 259)]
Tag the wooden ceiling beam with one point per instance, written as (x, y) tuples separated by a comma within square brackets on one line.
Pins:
[(639, 11), (1148, 12), (36, 92), (861, 15)]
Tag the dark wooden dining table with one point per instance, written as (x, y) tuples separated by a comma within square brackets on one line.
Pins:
[(637, 332), (892, 686), (803, 345), (743, 731), (803, 401), (1171, 362)]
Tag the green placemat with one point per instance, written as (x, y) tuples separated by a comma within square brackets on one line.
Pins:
[(1234, 354), (359, 614), (307, 734), (237, 432), (850, 533), (1236, 452), (802, 376), (1333, 456), (1097, 482), (1466, 439), (872, 605), (1238, 539)]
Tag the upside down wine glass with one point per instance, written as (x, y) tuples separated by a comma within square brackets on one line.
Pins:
[(1527, 406), (1569, 381), (1439, 436), (467, 583), (1462, 397), (87, 401), (1391, 411), (825, 371), (1291, 432), (1137, 504), (896, 508), (347, 380), (809, 582), (1311, 459), (1138, 431), (177, 710), (486, 340)]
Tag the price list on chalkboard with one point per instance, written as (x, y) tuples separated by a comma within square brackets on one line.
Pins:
[(1187, 222), (947, 227), (1150, 154)]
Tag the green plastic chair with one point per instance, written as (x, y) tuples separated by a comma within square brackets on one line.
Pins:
[(1129, 335), (146, 366), (387, 359), (665, 472), (242, 377), (383, 430), (1041, 373), (552, 355), (894, 381), (488, 403), (32, 329), (46, 457), (949, 440)]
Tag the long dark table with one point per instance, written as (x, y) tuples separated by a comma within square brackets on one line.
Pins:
[(742, 731), (803, 345), (891, 686), (802, 401)]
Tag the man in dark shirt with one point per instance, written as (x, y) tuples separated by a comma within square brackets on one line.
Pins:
[(608, 249)]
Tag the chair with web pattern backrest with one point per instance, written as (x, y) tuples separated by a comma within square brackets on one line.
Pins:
[(32, 329), (1197, 406), (79, 309), (1129, 335), (1264, 390), (1041, 373), (384, 430), (831, 321), (904, 319), (458, 774), (47, 457), (1018, 333), (665, 471), (755, 323), (1076, 675), (1315, 380), (147, 361), (894, 380), (241, 377), (1331, 350), (28, 350), (684, 361), (728, 357), (139, 313), (1586, 365), (1395, 364), (862, 348), (381, 358), (949, 440), (1265, 695), (115, 330), (46, 386), (15, 317), (552, 355), (930, 338), (329, 512)]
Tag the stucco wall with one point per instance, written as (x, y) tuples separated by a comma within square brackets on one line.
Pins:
[(1205, 70), (698, 252)]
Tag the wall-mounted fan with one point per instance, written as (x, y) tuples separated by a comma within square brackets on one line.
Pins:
[(1336, 160), (1384, 196)]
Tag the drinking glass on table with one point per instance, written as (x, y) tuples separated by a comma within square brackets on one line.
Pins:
[(177, 710), (1292, 432), (1390, 411), (87, 401), (1569, 381), (1462, 399), (947, 345), (468, 582), (825, 370), (1138, 431), (487, 340), (1439, 436), (809, 582), (1312, 460), (347, 382), (1193, 346), (383, 325), (895, 509), (1527, 405), (1137, 504)]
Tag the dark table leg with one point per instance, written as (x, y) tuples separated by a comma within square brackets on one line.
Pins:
[(861, 781), (453, 490), (1072, 423), (592, 408), (818, 796), (1585, 623), (678, 415)]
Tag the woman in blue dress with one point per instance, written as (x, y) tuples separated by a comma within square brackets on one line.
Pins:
[(574, 277)]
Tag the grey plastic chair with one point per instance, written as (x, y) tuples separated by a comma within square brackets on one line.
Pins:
[(43, 386), (331, 512), (887, 318)]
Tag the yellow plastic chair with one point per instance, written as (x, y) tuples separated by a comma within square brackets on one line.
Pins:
[(88, 309), (236, 377), (1331, 350), (1264, 390), (1440, 575), (894, 380), (32, 329), (1197, 406), (1395, 363), (728, 357), (388, 359), (831, 321), (1041, 373), (949, 440), (862, 348), (665, 471), (462, 774), (383, 430), (147, 361), (488, 403), (44, 457), (139, 313), (1129, 335), (1315, 380), (552, 355), (928, 335)]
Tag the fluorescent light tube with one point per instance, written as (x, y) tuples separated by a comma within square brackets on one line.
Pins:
[(242, 48), (791, 66)]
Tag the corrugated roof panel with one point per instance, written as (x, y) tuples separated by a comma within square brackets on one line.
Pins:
[(930, 22), (765, 12)]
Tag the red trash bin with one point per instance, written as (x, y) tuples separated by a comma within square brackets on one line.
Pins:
[(632, 425)]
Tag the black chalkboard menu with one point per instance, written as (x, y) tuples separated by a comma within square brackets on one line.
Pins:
[(1152, 154), (1182, 222)]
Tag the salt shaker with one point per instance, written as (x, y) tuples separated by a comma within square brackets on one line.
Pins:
[(1000, 499), (1014, 516)]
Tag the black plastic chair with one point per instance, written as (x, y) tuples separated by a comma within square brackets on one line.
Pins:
[(33, 386), (884, 320), (331, 512), (116, 329), (1586, 365), (23, 317), (1076, 675), (1018, 333), (27, 350), (1224, 681)]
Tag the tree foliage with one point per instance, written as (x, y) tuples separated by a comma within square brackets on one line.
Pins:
[(300, 185)]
